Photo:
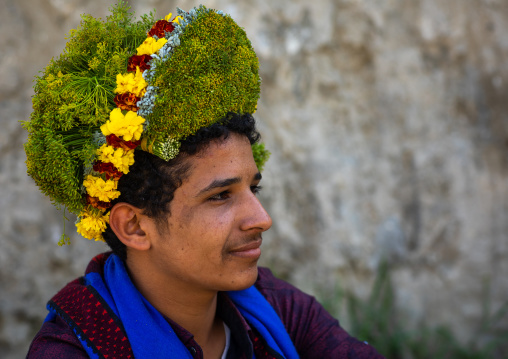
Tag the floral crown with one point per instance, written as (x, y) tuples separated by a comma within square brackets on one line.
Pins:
[(117, 88)]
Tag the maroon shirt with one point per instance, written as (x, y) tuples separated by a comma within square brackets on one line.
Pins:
[(314, 332)]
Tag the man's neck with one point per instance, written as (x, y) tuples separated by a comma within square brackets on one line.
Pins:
[(192, 309)]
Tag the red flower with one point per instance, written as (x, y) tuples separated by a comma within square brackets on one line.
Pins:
[(94, 201), (116, 142), (160, 28), (140, 61), (127, 101), (108, 169)]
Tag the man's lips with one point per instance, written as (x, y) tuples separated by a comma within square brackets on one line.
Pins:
[(249, 250)]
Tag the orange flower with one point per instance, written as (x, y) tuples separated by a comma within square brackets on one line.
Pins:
[(160, 28), (95, 202), (108, 169), (117, 142), (127, 101), (140, 61)]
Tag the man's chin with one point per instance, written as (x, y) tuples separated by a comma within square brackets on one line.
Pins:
[(244, 279)]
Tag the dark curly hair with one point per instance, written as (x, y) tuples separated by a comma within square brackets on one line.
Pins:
[(151, 182)]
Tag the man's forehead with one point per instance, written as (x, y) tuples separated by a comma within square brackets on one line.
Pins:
[(224, 158), (222, 142)]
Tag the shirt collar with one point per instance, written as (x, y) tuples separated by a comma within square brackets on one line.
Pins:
[(241, 331)]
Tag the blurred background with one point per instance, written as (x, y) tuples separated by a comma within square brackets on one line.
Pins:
[(388, 181)]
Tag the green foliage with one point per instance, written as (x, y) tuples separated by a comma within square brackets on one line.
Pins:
[(260, 154), (377, 321), (73, 97), (52, 167), (214, 71)]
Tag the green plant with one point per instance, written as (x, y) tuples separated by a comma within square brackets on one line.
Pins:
[(378, 321)]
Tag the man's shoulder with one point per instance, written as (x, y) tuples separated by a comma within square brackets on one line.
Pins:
[(283, 296), (312, 329), (267, 281), (56, 340), (76, 313)]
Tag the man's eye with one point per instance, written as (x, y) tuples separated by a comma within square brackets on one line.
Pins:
[(255, 189), (219, 196)]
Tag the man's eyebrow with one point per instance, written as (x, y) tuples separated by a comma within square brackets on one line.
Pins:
[(225, 182), (218, 184)]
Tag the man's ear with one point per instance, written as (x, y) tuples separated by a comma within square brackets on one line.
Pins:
[(128, 223)]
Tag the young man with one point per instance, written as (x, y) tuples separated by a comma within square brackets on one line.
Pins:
[(185, 230)]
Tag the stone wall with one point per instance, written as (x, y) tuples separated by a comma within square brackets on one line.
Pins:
[(388, 127)]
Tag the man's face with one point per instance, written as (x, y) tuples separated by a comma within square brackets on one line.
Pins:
[(213, 233)]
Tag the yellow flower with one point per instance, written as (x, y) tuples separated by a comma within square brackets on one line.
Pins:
[(104, 190), (150, 46), (177, 19), (133, 83), (127, 127), (119, 157), (91, 226)]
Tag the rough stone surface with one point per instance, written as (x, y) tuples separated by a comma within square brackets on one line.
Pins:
[(388, 127)]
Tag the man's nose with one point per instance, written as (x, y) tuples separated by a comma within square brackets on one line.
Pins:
[(256, 217)]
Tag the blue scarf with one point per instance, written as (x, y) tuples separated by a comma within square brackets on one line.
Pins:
[(151, 336)]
